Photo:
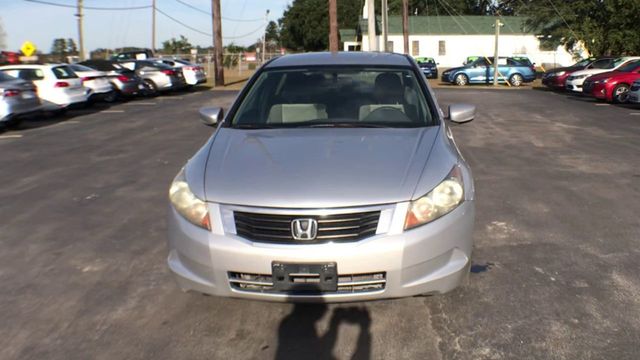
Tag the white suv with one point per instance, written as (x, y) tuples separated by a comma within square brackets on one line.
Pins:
[(58, 86)]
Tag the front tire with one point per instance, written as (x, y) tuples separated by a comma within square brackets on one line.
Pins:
[(461, 80), (621, 94), (150, 87), (516, 80)]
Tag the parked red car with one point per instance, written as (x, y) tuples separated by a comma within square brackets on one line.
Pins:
[(9, 58), (556, 78), (613, 86)]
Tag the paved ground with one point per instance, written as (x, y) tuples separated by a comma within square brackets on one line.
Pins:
[(82, 244)]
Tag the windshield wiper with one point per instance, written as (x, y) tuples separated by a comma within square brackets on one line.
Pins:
[(252, 126), (347, 125)]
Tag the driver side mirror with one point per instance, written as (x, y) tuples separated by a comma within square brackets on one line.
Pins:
[(211, 116), (461, 113)]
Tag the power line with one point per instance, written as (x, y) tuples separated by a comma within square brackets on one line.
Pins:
[(89, 7), (181, 23), (206, 33), (565, 21), (209, 13)]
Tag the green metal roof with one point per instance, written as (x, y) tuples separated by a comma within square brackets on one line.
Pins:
[(452, 25), (348, 35)]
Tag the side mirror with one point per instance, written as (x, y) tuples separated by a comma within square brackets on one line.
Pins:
[(211, 116), (461, 113)]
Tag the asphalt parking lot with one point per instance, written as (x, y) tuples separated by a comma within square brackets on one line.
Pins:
[(83, 204)]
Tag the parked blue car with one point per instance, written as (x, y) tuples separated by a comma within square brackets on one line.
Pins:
[(480, 71)]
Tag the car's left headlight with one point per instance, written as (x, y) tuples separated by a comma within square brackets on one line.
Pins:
[(445, 197), (187, 204), (603, 81)]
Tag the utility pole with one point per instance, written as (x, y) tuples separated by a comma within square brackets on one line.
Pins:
[(497, 25), (153, 27), (80, 36), (405, 25), (264, 36), (385, 25), (333, 26), (371, 25), (217, 42)]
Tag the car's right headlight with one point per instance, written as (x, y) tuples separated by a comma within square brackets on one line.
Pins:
[(560, 73), (187, 204), (445, 197)]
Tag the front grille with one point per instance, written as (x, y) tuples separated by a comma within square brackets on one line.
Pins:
[(635, 87), (347, 283), (587, 86), (331, 228)]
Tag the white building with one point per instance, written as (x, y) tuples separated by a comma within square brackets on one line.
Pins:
[(451, 39)]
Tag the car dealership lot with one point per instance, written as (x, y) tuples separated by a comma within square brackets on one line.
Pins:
[(83, 273)]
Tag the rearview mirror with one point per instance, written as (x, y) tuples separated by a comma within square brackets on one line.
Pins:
[(461, 113), (211, 116)]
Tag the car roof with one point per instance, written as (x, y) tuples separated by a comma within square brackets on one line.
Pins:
[(32, 66), (340, 58)]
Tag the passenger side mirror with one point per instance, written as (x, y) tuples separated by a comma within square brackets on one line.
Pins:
[(211, 116), (461, 113)]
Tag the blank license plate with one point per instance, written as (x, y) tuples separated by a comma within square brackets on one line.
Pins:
[(309, 278)]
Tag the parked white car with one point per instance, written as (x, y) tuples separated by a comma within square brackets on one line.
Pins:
[(193, 74), (634, 92), (575, 80), (58, 86), (97, 81)]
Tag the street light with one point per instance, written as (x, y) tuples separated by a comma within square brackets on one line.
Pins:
[(264, 37)]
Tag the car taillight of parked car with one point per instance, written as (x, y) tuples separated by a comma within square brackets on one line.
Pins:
[(124, 78), (10, 93), (169, 72), (61, 84)]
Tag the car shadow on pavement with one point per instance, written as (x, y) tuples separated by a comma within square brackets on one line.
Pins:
[(298, 337)]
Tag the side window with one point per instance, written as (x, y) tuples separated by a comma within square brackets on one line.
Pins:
[(11, 72), (601, 64), (481, 62), (31, 74), (64, 72)]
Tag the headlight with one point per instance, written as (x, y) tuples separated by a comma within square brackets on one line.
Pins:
[(603, 81), (579, 77), (560, 73), (440, 201), (187, 204)]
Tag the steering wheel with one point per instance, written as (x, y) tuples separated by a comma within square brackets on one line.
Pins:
[(384, 113)]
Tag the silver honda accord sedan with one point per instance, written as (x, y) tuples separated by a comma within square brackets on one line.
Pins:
[(333, 177)]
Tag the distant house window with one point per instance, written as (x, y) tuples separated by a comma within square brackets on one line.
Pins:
[(442, 48), (415, 48), (390, 46)]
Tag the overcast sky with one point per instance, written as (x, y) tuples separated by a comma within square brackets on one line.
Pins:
[(110, 29)]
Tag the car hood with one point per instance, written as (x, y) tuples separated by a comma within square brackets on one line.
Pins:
[(568, 69), (605, 75), (316, 167), (455, 69)]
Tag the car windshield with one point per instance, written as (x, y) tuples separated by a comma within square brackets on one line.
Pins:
[(334, 97), (77, 67), (5, 77), (630, 66), (581, 63)]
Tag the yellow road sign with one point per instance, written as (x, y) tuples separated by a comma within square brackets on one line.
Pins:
[(28, 48)]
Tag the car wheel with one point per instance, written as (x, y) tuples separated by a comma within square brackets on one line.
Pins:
[(621, 94), (111, 97), (516, 80), (461, 80), (151, 87)]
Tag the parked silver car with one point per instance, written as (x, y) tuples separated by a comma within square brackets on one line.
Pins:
[(333, 177), (156, 76), (17, 98)]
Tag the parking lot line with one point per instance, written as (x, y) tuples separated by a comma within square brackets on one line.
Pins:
[(111, 111), (602, 104), (636, 114), (10, 136), (173, 98), (140, 103)]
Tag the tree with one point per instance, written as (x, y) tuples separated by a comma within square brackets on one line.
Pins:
[(3, 36), (72, 49), (272, 36), (59, 49), (176, 46), (305, 24), (603, 27)]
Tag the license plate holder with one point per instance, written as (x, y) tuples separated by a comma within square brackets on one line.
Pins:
[(309, 278)]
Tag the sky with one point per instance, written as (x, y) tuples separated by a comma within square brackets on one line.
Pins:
[(41, 23)]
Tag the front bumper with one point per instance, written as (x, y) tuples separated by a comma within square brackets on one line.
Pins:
[(574, 85), (430, 259)]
